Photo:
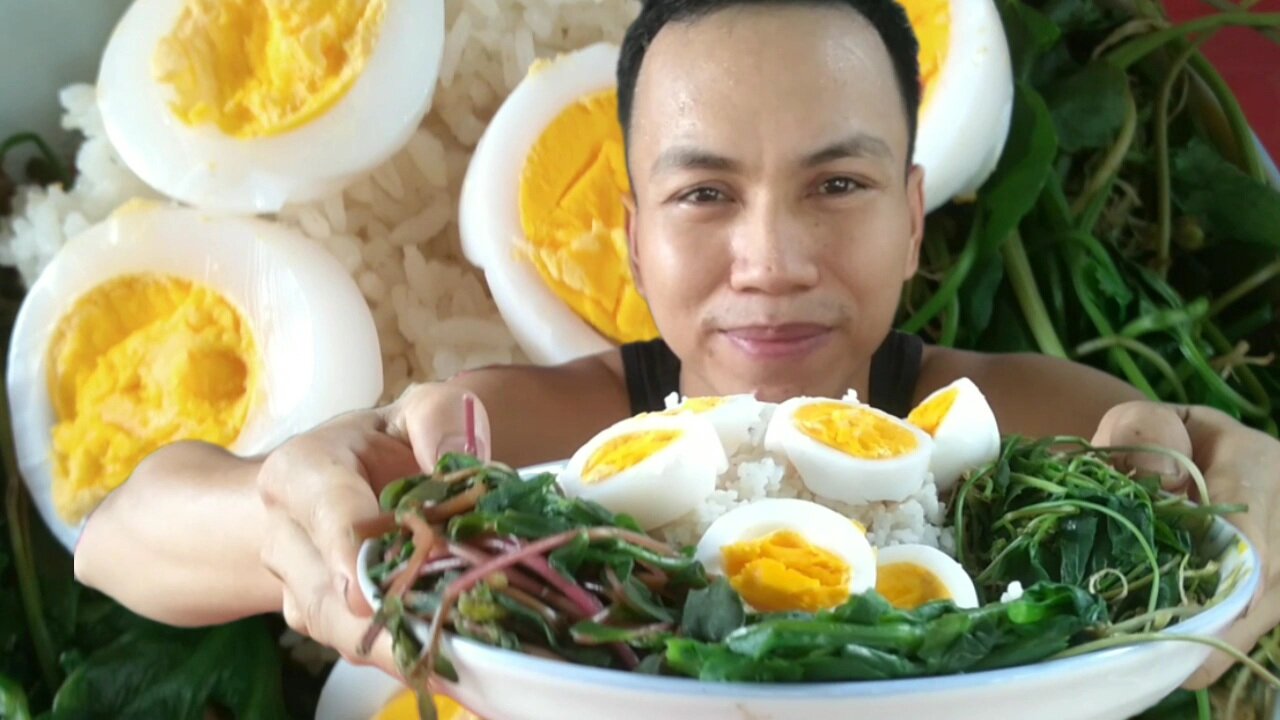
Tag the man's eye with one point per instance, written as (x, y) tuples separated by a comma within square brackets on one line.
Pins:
[(703, 196), (839, 186)]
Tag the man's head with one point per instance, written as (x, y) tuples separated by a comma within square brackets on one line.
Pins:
[(776, 210)]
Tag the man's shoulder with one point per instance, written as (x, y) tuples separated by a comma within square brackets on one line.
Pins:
[(942, 365)]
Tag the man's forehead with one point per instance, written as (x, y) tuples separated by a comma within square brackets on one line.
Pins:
[(822, 65)]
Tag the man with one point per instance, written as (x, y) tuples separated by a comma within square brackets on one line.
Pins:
[(775, 215)]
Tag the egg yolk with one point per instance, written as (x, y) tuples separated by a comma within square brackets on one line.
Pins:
[(929, 414), (854, 431), (697, 406), (908, 586), (405, 707), (625, 452), (257, 68), (138, 362), (782, 571), (571, 212), (931, 20)]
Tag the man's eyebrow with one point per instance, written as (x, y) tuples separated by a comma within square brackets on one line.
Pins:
[(691, 158), (860, 145)]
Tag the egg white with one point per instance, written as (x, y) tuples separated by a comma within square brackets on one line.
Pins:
[(820, 526), (204, 167), (967, 438), (547, 329), (835, 475), (963, 128), (313, 330), (661, 487), (735, 420), (947, 571)]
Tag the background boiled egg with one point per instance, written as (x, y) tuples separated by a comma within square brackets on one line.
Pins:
[(786, 554), (909, 576), (964, 431), (850, 452), (551, 238), (244, 106), (313, 350), (653, 468), (968, 94)]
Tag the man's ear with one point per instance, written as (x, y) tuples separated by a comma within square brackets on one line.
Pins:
[(915, 206), (629, 204)]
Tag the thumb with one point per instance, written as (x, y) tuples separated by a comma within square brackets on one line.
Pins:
[(434, 419), (1143, 423)]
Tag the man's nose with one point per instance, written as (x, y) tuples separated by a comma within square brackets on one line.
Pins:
[(773, 251)]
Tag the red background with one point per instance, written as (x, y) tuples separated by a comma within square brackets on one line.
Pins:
[(1251, 65)]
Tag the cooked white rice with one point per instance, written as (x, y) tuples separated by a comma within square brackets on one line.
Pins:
[(755, 474), (394, 230)]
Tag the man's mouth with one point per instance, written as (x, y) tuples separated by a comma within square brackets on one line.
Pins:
[(778, 342)]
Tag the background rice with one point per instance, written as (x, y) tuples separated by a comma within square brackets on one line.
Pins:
[(395, 230)]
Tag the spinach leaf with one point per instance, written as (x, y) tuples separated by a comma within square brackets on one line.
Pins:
[(157, 671), (1228, 203), (1088, 107), (712, 613), (1012, 190)]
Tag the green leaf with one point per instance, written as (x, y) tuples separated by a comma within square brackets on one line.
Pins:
[(980, 296), (1075, 546), (1088, 108), (856, 662), (1012, 190), (712, 613), (1229, 204), (13, 701), (1029, 33), (162, 672)]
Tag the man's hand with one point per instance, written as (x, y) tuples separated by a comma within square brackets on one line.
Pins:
[(320, 484), (1240, 466)]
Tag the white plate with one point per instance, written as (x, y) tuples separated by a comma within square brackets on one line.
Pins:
[(1107, 685)]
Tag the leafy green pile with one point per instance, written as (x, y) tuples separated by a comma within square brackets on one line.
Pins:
[(867, 639), (1129, 223), (1056, 510)]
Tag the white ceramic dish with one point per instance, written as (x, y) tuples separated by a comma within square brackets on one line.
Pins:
[(1107, 685)]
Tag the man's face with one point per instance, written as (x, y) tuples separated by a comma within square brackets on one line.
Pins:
[(775, 220)]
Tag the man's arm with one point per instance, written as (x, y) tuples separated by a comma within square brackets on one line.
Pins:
[(1032, 395), (180, 541)]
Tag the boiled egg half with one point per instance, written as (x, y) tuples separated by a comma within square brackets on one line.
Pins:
[(542, 213), (850, 452), (653, 468), (964, 431), (786, 554), (967, 101), (246, 105), (735, 417), (163, 324), (909, 576)]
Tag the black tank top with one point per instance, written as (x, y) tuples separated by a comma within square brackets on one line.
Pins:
[(653, 373)]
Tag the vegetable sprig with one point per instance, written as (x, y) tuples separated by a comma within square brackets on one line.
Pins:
[(1056, 510), (513, 563)]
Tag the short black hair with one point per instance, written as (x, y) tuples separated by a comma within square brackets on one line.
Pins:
[(887, 17)]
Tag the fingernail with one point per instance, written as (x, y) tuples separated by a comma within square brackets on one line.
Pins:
[(341, 583), (451, 444)]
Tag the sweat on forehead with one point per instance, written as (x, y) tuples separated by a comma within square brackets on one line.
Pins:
[(887, 19)]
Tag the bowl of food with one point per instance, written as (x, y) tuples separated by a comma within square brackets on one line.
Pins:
[(817, 569)]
